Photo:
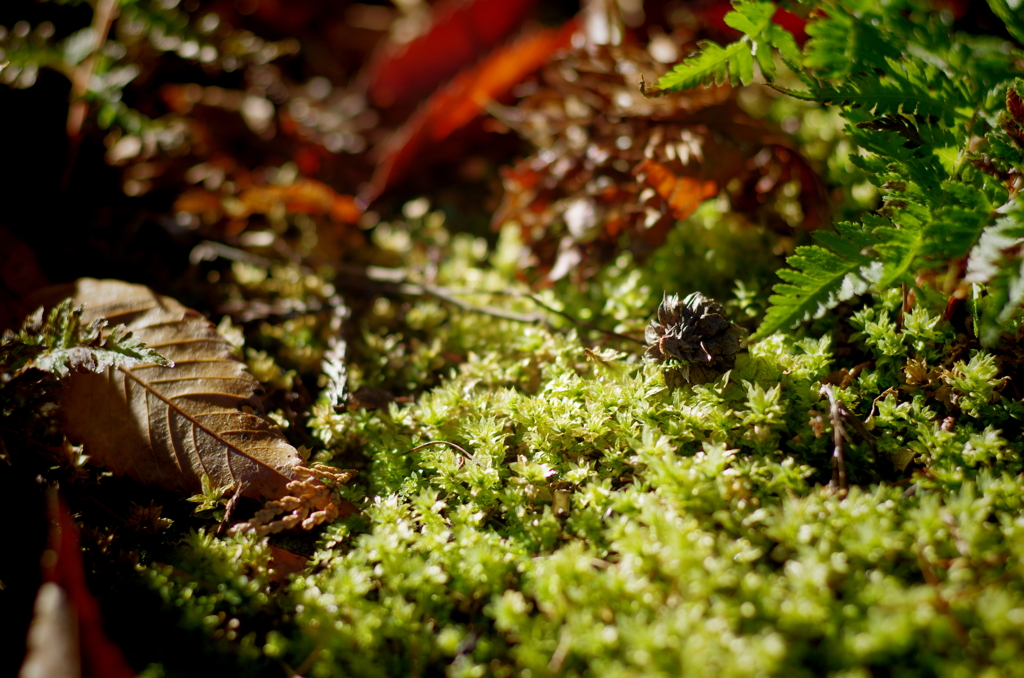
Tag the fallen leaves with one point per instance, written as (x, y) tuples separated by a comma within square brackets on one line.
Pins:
[(459, 33), (170, 426), (611, 163), (455, 105), (682, 194), (304, 196)]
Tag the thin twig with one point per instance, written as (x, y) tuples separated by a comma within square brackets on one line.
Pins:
[(450, 293), (81, 75), (307, 663), (836, 414), (208, 250), (577, 321), (840, 417), (461, 450), (904, 306), (229, 510), (396, 281), (940, 603), (561, 650), (441, 293), (102, 18)]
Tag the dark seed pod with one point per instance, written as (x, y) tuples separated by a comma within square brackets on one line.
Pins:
[(695, 333)]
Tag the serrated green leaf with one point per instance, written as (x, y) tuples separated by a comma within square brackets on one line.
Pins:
[(842, 44), (68, 345), (734, 62), (763, 54), (750, 18), (710, 65), (997, 262), (742, 68), (1012, 17), (782, 40), (818, 281)]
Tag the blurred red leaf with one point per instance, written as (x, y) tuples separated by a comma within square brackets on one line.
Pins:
[(60, 610), (459, 34), (683, 194), (305, 196), (455, 105)]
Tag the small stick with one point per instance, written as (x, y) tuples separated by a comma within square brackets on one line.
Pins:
[(80, 75), (837, 412), (396, 281), (537, 300), (444, 295), (229, 510), (461, 450)]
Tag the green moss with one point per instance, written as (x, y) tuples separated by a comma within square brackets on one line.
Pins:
[(602, 524), (538, 501)]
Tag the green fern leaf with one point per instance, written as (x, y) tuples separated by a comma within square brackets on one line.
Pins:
[(709, 66), (898, 252), (997, 261), (820, 279), (1013, 18), (62, 343), (734, 62), (907, 88), (750, 18), (783, 40), (958, 225), (842, 45)]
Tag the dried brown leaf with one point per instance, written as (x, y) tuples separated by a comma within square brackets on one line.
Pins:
[(171, 425), (614, 169)]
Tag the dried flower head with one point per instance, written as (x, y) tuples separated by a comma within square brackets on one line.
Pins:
[(695, 333)]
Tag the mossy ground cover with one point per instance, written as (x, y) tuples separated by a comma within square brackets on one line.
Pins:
[(534, 498), (581, 518)]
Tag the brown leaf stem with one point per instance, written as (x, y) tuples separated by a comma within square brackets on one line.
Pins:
[(837, 413)]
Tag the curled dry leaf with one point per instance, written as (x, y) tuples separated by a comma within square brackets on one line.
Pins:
[(171, 425), (610, 162)]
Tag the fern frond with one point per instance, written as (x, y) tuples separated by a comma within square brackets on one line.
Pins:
[(997, 261), (62, 343), (938, 125), (735, 62), (899, 248), (842, 45), (714, 64), (820, 278), (906, 88), (1013, 18), (922, 234), (959, 223)]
